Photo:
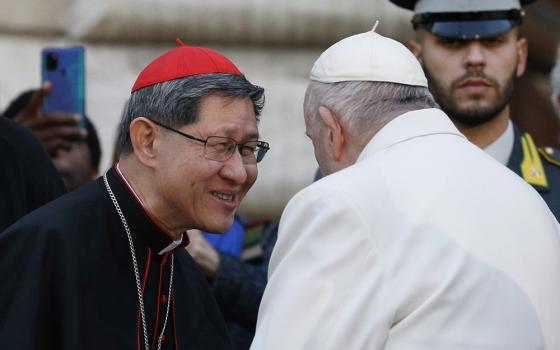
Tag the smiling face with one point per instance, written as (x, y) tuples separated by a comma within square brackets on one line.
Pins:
[(196, 192), (472, 80)]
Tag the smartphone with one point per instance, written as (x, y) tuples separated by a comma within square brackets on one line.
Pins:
[(64, 68)]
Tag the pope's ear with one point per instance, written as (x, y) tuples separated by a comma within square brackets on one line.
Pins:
[(335, 132), (143, 133)]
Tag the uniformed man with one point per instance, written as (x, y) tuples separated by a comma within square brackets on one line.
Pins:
[(472, 52)]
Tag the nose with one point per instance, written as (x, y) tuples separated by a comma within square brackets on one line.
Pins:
[(233, 169), (474, 56)]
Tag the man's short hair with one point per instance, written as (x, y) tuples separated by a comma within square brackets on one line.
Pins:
[(176, 103), (366, 105), (555, 82)]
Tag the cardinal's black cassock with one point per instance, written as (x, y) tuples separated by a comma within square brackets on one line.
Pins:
[(68, 280)]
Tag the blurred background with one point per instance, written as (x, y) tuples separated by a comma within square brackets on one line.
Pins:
[(273, 42)]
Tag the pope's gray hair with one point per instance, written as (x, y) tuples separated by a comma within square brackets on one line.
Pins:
[(555, 83), (365, 106), (176, 103)]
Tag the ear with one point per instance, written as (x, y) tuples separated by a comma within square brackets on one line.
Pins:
[(143, 133), (416, 48), (335, 133), (522, 51)]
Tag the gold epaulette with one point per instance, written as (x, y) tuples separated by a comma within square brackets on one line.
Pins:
[(551, 155), (532, 168)]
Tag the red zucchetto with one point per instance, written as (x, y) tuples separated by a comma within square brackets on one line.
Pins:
[(182, 62)]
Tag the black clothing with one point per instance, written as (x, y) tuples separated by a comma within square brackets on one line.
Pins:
[(68, 280), (545, 174), (29, 178), (239, 286)]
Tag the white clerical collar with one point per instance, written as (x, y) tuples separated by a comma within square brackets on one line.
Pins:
[(173, 244), (502, 147)]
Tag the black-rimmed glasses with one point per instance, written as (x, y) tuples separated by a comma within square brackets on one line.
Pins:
[(221, 148)]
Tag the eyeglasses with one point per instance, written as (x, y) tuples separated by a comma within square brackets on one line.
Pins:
[(221, 148)]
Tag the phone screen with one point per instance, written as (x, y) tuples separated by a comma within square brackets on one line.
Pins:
[(64, 68)]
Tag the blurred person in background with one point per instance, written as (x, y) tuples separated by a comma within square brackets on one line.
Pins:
[(55, 130), (472, 53), (414, 238), (104, 266), (231, 242), (80, 163), (28, 177), (76, 153), (555, 83), (237, 284)]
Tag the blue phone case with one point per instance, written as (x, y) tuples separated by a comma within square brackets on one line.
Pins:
[(64, 68)]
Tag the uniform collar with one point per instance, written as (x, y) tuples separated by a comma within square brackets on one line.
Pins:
[(143, 225), (526, 161), (502, 147), (408, 126)]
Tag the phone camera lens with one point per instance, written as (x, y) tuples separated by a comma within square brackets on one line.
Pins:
[(52, 61)]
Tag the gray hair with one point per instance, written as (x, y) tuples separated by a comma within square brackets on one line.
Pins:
[(555, 82), (176, 103), (365, 106)]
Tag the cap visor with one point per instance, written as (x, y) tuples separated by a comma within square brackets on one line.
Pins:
[(467, 30)]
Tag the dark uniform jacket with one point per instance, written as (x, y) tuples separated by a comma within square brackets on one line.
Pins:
[(540, 167), (68, 280)]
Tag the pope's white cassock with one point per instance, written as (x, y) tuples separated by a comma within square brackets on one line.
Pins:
[(425, 243)]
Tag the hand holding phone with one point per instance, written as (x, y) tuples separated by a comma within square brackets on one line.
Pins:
[(55, 130)]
